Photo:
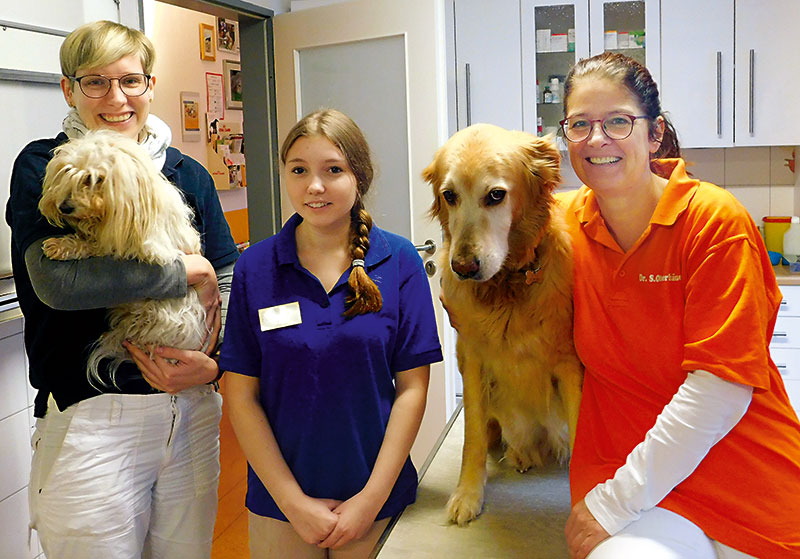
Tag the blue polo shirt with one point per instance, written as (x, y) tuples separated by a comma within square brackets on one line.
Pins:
[(327, 382)]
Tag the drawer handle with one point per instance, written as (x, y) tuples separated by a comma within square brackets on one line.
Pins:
[(780, 335), (784, 302), (781, 368)]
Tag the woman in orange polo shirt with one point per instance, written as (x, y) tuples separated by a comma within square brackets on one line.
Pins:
[(687, 445)]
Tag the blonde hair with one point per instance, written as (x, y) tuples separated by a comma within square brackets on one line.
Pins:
[(341, 131), (100, 43)]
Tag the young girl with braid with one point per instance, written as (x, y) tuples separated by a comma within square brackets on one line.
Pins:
[(330, 333)]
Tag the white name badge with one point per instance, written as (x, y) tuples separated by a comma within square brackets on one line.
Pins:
[(279, 316)]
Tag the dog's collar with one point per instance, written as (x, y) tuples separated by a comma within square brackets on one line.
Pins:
[(533, 272)]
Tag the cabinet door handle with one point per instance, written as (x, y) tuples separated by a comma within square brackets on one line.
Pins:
[(780, 335), (468, 77), (752, 87), (782, 368), (719, 93)]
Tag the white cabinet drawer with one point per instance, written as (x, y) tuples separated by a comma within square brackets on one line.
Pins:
[(790, 305), (15, 440), (787, 361), (13, 378), (786, 333), (793, 389), (14, 528)]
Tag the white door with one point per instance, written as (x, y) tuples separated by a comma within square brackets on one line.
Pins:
[(383, 63), (766, 75), (489, 65), (697, 82)]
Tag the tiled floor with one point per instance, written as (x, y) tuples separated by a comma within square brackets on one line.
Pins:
[(230, 531)]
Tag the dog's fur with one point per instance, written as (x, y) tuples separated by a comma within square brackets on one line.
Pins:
[(522, 377), (106, 188)]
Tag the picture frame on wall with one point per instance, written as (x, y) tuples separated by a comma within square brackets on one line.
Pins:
[(190, 116), (208, 46), (227, 35), (232, 74)]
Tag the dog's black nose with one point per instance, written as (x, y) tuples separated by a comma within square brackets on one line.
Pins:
[(65, 208), (466, 269)]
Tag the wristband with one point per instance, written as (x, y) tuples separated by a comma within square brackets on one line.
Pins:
[(220, 372)]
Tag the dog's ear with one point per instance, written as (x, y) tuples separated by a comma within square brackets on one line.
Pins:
[(432, 176), (56, 173), (542, 159)]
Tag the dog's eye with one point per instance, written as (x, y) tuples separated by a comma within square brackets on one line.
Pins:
[(449, 196), (495, 196)]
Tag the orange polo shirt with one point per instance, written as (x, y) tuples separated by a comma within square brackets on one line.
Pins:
[(695, 292)]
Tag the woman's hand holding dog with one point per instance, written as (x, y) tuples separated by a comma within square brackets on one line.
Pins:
[(172, 370), (583, 531), (200, 274)]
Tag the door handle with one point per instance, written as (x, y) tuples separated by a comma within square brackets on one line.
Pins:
[(468, 77), (752, 87), (719, 93), (429, 246)]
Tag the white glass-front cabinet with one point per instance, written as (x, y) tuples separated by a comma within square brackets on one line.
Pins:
[(729, 78), (630, 27), (556, 33)]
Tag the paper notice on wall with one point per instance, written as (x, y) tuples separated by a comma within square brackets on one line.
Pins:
[(215, 95)]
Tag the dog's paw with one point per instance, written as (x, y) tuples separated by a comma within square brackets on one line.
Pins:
[(58, 248), (465, 505), (523, 460)]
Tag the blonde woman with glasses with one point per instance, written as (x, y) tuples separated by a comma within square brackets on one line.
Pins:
[(128, 469)]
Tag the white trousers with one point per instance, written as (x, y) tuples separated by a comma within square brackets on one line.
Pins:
[(662, 534), (127, 476)]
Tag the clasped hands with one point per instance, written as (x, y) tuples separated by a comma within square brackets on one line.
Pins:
[(328, 523)]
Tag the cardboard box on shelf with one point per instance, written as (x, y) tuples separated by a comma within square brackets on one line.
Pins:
[(226, 162)]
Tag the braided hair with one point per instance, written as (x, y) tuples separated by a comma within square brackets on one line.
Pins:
[(341, 131), (637, 79)]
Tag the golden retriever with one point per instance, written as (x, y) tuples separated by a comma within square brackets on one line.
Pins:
[(506, 284)]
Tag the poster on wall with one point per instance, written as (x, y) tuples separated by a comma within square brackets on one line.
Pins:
[(215, 97), (190, 116), (227, 35), (233, 84)]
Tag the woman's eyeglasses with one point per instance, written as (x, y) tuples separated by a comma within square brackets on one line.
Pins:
[(616, 127), (97, 86)]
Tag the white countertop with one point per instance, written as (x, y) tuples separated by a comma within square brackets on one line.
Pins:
[(784, 277), (523, 517)]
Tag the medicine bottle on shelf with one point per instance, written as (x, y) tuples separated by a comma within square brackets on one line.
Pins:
[(548, 95), (555, 90), (791, 241)]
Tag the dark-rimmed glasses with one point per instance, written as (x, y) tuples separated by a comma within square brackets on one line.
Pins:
[(97, 86), (617, 126)]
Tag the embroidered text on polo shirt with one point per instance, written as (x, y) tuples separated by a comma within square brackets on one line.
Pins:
[(657, 278)]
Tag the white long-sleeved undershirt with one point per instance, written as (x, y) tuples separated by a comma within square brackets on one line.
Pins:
[(701, 413)]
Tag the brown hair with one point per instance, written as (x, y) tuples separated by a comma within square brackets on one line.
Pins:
[(637, 79), (341, 131), (100, 43)]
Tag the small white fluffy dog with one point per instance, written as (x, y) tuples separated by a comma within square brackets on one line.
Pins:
[(106, 187)]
